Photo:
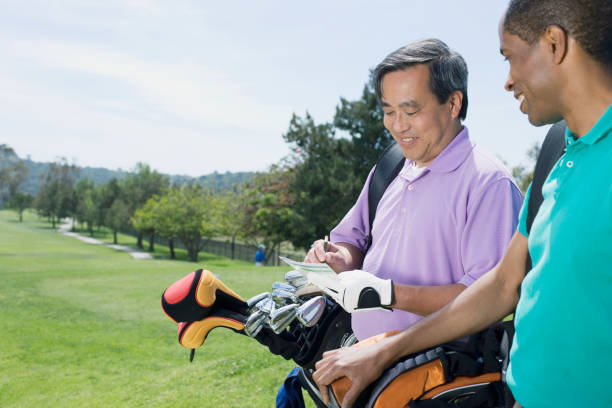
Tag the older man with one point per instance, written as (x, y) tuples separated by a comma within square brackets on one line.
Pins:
[(446, 218), (560, 56)]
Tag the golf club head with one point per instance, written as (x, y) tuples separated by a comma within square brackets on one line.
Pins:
[(254, 323), (296, 279), (283, 297), (283, 286), (282, 317), (256, 299), (309, 313), (266, 304)]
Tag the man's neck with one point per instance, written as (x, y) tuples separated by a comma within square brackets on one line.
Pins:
[(588, 96)]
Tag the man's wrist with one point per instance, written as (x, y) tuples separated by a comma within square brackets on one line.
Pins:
[(394, 348)]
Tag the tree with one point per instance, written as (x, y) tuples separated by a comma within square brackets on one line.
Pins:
[(330, 170), (362, 119), (141, 185), (13, 171), (323, 183), (167, 219), (20, 202), (197, 211), (105, 195), (117, 216), (522, 174), (144, 220), (190, 213), (268, 207), (55, 198), (233, 218), (85, 203)]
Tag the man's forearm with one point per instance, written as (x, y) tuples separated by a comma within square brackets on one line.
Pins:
[(489, 299), (424, 300)]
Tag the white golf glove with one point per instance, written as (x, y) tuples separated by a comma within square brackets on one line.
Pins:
[(356, 290)]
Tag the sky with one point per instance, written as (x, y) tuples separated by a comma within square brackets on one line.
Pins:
[(193, 87)]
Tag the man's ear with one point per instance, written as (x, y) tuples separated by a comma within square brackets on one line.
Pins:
[(456, 102), (556, 40)]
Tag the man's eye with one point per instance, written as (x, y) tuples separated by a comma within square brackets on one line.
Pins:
[(389, 113)]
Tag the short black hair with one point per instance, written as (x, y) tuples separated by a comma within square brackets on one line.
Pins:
[(589, 22), (447, 69)]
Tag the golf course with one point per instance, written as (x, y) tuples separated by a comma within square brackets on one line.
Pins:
[(82, 326)]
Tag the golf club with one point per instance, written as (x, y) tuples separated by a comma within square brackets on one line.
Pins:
[(255, 299), (296, 279), (254, 323), (311, 311), (283, 297), (283, 286), (282, 317), (266, 305)]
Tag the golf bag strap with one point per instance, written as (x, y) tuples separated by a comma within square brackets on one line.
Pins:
[(387, 168), (552, 149), (484, 397)]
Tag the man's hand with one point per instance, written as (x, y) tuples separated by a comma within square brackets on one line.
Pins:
[(361, 365), (339, 257)]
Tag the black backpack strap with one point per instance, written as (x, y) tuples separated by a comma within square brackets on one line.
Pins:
[(387, 168), (552, 149)]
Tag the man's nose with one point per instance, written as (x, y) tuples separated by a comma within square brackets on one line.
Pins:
[(509, 85), (401, 122)]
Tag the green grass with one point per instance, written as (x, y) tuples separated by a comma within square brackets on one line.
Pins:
[(82, 326)]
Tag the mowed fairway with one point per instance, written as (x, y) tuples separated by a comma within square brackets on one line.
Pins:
[(81, 326)]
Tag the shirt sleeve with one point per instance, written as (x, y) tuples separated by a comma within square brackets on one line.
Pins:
[(355, 226), (491, 221), (522, 225)]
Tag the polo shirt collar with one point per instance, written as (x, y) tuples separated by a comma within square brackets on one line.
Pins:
[(454, 154), (602, 128)]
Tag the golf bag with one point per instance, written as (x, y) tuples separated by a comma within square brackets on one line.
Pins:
[(200, 302), (458, 374), (466, 374)]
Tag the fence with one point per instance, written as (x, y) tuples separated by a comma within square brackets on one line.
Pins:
[(228, 249)]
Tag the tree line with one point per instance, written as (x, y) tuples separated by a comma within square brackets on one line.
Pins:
[(299, 199)]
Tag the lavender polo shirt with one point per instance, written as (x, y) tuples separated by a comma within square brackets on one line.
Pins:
[(449, 225)]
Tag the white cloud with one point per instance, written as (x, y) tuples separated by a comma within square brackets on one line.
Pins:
[(183, 89)]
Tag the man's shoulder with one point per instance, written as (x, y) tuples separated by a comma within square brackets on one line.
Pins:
[(482, 164)]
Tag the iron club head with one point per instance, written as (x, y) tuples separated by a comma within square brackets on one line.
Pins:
[(256, 299), (296, 279), (311, 311), (282, 317), (283, 297), (266, 304), (283, 286), (254, 323)]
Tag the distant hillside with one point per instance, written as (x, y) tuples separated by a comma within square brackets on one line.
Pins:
[(216, 181)]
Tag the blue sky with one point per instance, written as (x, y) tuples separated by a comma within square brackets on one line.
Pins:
[(192, 87)]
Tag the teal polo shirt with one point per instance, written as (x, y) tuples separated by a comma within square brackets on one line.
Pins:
[(561, 355)]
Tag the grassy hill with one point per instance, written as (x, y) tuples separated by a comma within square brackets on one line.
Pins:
[(82, 327)]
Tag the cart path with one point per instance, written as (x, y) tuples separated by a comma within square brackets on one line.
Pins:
[(65, 229)]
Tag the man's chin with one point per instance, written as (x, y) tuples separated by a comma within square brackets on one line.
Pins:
[(541, 120)]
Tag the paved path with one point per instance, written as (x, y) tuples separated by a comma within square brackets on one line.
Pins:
[(65, 229)]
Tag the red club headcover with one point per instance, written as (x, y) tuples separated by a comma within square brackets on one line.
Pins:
[(198, 303), (193, 297)]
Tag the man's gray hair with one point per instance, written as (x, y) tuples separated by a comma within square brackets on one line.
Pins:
[(447, 69)]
